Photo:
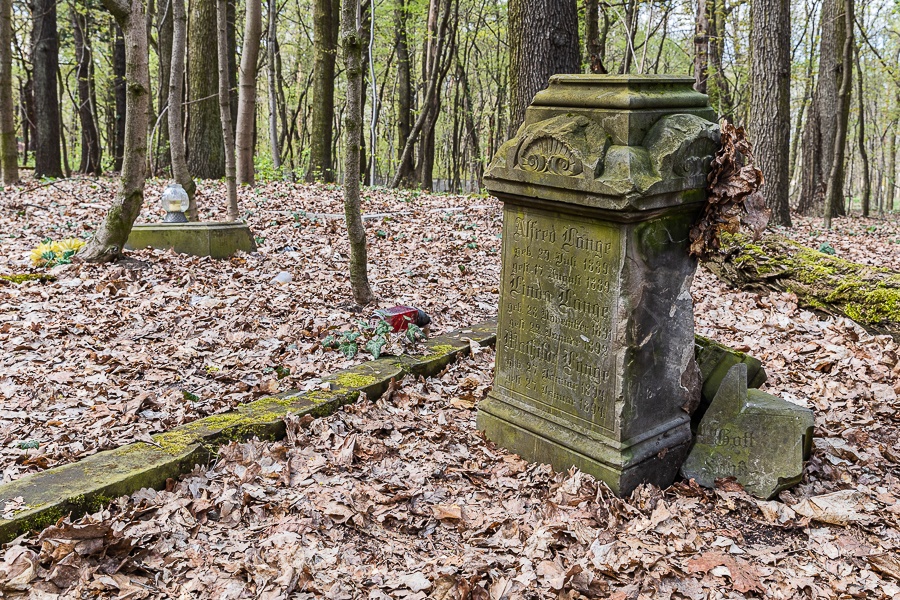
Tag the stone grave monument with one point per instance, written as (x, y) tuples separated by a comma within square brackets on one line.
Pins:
[(595, 342)]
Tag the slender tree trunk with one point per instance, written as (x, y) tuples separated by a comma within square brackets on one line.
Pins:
[(770, 109), (701, 46), (110, 237), (631, 13), (325, 23), (477, 167), (723, 95), (543, 41), (64, 146), (45, 56), (428, 106), (246, 118), (798, 126), (863, 154), (164, 26), (404, 91), (437, 63), (175, 115), (231, 37), (205, 146), (824, 113), (84, 72), (834, 190), (271, 72), (9, 153), (225, 110), (29, 130), (891, 169), (119, 76), (595, 44), (353, 42)]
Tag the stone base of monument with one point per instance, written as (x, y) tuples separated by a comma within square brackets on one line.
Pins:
[(622, 466), (757, 438), (218, 240)]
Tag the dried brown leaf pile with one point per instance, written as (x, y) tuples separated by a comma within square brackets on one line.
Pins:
[(401, 498), (106, 354), (733, 200)]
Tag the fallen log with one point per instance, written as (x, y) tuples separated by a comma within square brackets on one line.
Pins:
[(868, 295)]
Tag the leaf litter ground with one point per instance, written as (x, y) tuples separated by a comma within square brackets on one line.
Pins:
[(401, 498)]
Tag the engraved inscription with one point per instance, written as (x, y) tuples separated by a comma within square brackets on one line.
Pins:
[(557, 307)]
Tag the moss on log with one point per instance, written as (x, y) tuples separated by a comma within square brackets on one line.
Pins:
[(868, 295)]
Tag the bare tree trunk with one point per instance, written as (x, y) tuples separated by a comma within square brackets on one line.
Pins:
[(770, 108), (9, 153), (90, 136), (325, 22), (863, 154), (595, 44), (112, 234), (543, 41), (437, 63), (631, 14), (205, 146), (119, 69), (225, 109), (164, 16), (404, 91), (45, 56), (353, 41), (818, 144), (891, 169), (271, 72), (246, 118), (834, 190), (175, 116), (428, 103), (64, 146), (701, 47), (716, 50)]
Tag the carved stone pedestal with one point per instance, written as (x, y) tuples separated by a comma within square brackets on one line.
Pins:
[(595, 343)]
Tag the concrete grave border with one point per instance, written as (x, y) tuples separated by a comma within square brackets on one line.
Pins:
[(91, 483)]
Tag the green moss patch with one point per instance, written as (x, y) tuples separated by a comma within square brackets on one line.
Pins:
[(18, 278)]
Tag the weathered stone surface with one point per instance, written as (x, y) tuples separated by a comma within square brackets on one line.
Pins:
[(753, 436), (218, 240), (595, 353), (715, 360)]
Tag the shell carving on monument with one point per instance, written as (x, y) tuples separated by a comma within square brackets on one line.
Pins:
[(550, 155), (696, 158)]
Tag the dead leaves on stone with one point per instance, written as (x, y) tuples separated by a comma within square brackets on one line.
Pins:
[(733, 201)]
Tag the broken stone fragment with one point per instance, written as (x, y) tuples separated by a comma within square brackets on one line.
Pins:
[(756, 437)]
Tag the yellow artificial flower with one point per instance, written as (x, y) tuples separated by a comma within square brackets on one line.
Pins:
[(63, 246), (37, 255)]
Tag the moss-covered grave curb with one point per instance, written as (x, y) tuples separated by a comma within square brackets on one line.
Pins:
[(87, 485)]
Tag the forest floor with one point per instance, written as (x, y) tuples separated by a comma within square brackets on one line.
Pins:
[(401, 498)]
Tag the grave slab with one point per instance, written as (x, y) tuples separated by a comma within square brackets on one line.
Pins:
[(595, 344), (218, 240), (758, 438)]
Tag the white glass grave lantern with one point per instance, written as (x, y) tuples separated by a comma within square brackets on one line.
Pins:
[(175, 202)]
